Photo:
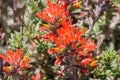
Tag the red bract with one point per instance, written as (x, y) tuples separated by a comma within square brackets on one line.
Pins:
[(69, 40), (85, 61), (90, 46), (16, 60), (68, 37), (38, 76), (52, 13), (87, 46)]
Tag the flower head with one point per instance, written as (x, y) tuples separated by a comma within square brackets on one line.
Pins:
[(70, 41), (52, 13), (16, 60), (68, 37)]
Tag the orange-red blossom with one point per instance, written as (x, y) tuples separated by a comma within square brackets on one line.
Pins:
[(69, 39), (52, 13), (16, 60)]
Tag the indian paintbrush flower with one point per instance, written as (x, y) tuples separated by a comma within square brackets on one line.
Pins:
[(17, 61)]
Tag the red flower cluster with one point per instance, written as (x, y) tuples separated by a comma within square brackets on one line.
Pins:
[(69, 39), (16, 60), (52, 13)]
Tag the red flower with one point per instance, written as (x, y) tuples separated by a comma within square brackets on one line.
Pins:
[(25, 62), (52, 13), (68, 36), (87, 46), (86, 61), (16, 59), (37, 77), (68, 39), (8, 69), (90, 46)]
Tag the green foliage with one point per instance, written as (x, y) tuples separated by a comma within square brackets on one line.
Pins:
[(9, 78), (43, 47), (116, 1), (16, 40), (108, 65)]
